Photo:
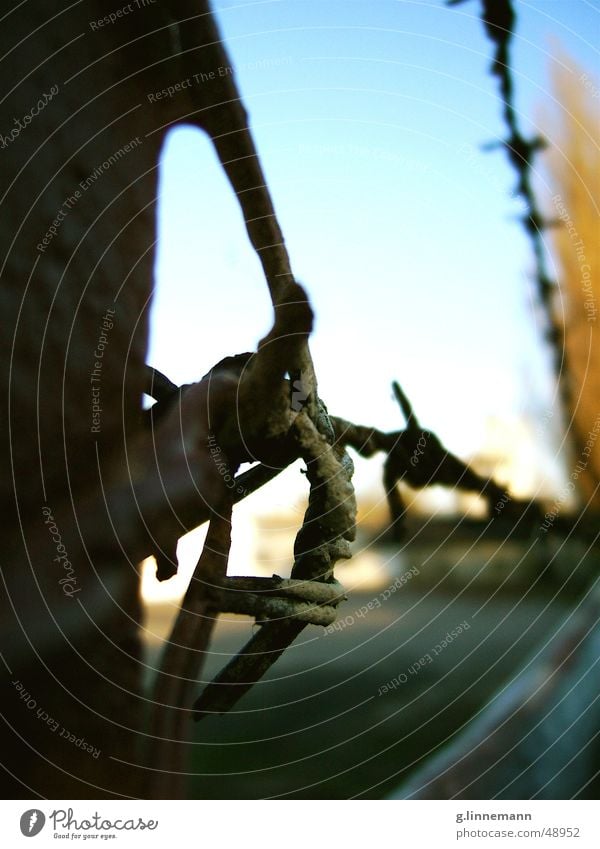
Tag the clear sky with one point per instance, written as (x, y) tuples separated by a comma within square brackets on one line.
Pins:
[(369, 116)]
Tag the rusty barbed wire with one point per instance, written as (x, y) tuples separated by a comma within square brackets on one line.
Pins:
[(500, 19), (268, 410), (284, 608)]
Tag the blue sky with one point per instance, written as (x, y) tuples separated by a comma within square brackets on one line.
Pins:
[(369, 118)]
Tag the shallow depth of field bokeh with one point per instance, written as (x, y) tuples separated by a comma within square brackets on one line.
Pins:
[(370, 119)]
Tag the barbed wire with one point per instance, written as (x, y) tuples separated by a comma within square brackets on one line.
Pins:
[(414, 455), (272, 413), (500, 20)]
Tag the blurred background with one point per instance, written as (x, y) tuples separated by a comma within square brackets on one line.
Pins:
[(371, 119)]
